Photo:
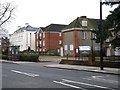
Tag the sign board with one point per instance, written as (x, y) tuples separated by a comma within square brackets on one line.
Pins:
[(84, 48)]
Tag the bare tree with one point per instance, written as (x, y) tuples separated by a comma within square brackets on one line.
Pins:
[(6, 13)]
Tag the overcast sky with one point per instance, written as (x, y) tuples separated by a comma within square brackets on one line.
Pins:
[(40, 13)]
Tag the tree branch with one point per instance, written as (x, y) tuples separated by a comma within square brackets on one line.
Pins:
[(6, 15), (5, 11)]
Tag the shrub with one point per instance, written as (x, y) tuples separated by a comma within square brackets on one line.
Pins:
[(4, 57), (28, 57)]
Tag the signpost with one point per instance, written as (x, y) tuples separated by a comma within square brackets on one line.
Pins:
[(100, 27)]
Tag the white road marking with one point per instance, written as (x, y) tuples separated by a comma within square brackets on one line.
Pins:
[(24, 73), (69, 85), (100, 78), (97, 76), (85, 84), (99, 70)]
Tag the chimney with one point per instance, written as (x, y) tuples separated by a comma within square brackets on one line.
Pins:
[(19, 27), (83, 17), (26, 24)]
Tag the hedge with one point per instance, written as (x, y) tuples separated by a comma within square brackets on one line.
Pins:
[(28, 57)]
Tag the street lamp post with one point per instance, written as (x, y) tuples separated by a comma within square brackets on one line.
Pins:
[(100, 28), (101, 38)]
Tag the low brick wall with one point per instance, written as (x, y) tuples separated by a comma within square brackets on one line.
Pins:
[(88, 63)]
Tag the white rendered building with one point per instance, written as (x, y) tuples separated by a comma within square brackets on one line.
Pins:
[(24, 37)]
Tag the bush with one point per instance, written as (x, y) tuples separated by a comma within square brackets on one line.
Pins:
[(28, 57), (4, 57)]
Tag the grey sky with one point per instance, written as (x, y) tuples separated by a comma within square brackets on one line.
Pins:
[(40, 13)]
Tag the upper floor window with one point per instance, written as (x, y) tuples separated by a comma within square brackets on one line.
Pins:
[(71, 47), (43, 43), (94, 36), (107, 40), (84, 35), (60, 41), (40, 42), (84, 23), (40, 50), (40, 35), (60, 34), (43, 35)]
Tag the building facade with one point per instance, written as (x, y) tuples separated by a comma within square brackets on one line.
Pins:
[(49, 39), (24, 37), (77, 37), (109, 50), (4, 44)]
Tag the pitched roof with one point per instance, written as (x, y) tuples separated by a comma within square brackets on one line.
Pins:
[(27, 28), (77, 23), (54, 28)]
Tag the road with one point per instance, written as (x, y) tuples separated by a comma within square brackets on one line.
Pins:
[(35, 75)]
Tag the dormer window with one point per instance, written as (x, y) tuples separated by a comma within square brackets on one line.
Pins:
[(84, 23)]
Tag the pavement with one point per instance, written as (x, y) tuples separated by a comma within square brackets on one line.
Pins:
[(106, 70), (114, 71)]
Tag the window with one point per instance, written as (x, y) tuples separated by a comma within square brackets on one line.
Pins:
[(66, 47), (40, 42), (60, 34), (84, 23), (60, 42), (0, 42), (43, 43), (40, 50), (40, 36), (71, 48), (84, 35), (43, 35), (94, 36), (44, 50), (108, 40)]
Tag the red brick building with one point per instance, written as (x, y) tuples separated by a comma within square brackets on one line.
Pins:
[(77, 37), (49, 39)]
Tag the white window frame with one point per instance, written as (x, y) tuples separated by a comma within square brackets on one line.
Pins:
[(84, 23), (40, 35), (43, 35), (40, 42), (84, 35), (71, 47), (60, 41), (60, 34), (43, 43)]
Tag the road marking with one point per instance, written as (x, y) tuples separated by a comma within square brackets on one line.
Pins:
[(97, 76), (85, 84), (24, 73), (105, 80), (69, 85), (99, 70)]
